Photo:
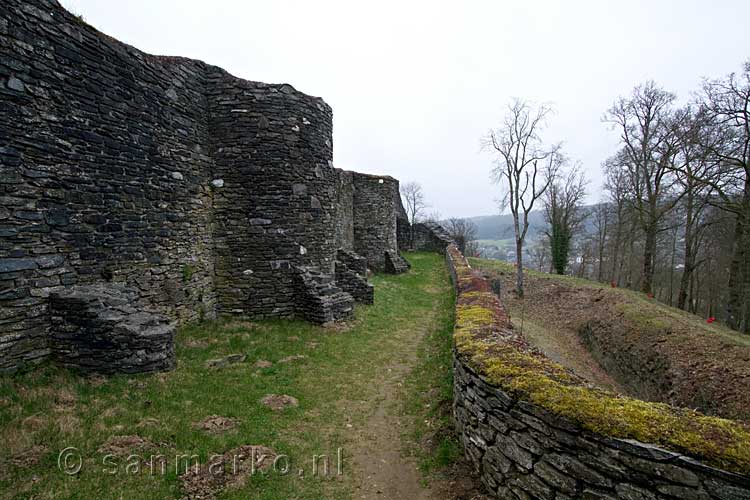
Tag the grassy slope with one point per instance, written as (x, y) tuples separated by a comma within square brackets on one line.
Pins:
[(636, 306), (49, 408), (684, 361)]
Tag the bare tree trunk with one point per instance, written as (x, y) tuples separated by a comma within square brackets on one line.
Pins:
[(616, 265), (519, 267), (736, 282), (631, 255), (671, 267), (689, 264), (649, 253)]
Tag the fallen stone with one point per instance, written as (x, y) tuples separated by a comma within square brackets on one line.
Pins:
[(262, 363), (226, 361)]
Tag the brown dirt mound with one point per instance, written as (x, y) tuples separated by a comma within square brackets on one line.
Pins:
[(227, 471), (124, 446), (278, 402), (216, 424), (30, 457), (292, 358)]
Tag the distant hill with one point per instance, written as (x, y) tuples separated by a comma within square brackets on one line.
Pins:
[(495, 236), (500, 227)]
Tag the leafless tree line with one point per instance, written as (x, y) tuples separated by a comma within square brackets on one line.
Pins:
[(675, 220)]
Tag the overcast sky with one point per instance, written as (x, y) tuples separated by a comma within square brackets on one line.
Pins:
[(414, 85)]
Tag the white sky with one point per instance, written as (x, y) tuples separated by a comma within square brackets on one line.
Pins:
[(414, 85)]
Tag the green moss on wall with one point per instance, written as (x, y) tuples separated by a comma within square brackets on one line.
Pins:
[(484, 338)]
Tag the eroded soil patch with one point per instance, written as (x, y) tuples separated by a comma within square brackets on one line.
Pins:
[(226, 471), (216, 424)]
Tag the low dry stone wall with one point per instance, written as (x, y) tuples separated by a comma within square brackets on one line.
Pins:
[(534, 431)]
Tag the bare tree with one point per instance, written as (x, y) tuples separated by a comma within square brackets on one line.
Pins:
[(433, 216), (464, 233), (538, 254), (564, 213), (693, 164), (678, 200), (650, 145), (726, 103), (601, 213), (524, 167), (615, 185), (414, 204)]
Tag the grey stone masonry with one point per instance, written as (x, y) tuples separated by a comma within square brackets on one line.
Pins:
[(394, 263), (319, 299), (351, 276), (523, 451), (375, 219), (203, 192), (430, 237), (97, 329)]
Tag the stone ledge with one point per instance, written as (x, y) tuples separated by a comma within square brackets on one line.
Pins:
[(97, 328)]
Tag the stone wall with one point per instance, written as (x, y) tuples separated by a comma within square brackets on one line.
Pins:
[(522, 451), (345, 210), (105, 174), (206, 193), (532, 430), (275, 193), (376, 205), (97, 329), (430, 237)]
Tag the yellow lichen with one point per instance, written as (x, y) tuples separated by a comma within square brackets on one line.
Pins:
[(528, 376)]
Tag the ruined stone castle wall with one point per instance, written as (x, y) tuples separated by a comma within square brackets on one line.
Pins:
[(105, 173), (276, 194), (374, 218), (203, 192), (345, 210)]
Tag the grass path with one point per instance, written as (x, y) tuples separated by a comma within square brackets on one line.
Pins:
[(375, 389)]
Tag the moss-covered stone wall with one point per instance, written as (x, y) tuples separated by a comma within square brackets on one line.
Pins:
[(532, 429)]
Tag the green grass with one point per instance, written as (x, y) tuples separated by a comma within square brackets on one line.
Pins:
[(51, 408), (430, 395)]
